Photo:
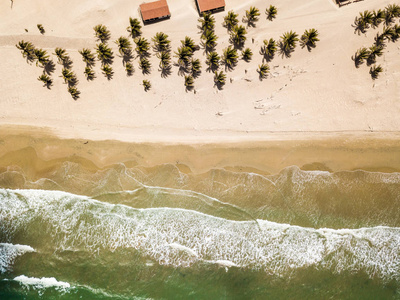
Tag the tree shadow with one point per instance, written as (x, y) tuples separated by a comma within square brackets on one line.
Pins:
[(49, 68), (266, 56), (309, 46), (196, 74), (283, 51), (229, 66), (359, 27), (67, 63), (212, 68), (127, 57), (166, 71), (189, 88), (357, 60), (219, 85), (207, 49), (182, 68)]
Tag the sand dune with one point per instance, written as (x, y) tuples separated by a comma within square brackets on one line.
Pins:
[(310, 92)]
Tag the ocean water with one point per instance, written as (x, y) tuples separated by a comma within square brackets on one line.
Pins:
[(164, 233)]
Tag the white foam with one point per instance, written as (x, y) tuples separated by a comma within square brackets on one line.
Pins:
[(8, 253), (80, 222), (183, 248), (42, 283)]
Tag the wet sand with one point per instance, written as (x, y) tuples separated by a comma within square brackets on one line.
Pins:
[(37, 150)]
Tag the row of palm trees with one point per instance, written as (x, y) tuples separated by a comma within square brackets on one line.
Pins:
[(189, 66), (390, 33), (374, 18), (67, 74)]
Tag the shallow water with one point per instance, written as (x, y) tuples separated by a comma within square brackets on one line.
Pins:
[(162, 233)]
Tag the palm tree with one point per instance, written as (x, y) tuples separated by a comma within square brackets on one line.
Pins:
[(388, 33), (392, 11), (263, 70), (377, 17), (207, 22), (69, 77), (41, 28), (134, 28), (161, 42), (219, 79), (363, 22), (142, 46), (27, 50), (375, 71), (252, 16), (87, 57), (360, 55), (230, 20), (89, 73), (374, 52), (209, 40), (213, 60), (61, 55), (101, 33), (146, 85), (247, 54), (288, 43), (196, 67), (48, 82), (124, 46), (238, 35), (189, 82), (74, 92), (165, 60), (41, 56), (396, 32), (230, 57), (271, 12), (379, 40), (145, 65), (104, 53), (309, 39), (129, 68), (189, 42), (183, 54), (269, 49), (107, 71)]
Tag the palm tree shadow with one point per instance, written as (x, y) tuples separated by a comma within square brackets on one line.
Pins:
[(212, 68), (166, 71), (189, 88), (266, 57), (309, 46), (182, 69), (67, 63), (196, 74), (357, 60), (219, 85), (49, 68), (284, 52)]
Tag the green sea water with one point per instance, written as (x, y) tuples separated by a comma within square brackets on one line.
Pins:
[(161, 233)]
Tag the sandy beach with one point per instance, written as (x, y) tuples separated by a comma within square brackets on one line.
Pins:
[(311, 93)]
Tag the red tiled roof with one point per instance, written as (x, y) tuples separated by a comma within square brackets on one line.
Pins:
[(205, 5), (154, 10)]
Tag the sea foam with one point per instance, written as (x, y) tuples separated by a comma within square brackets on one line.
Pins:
[(8, 253), (181, 237)]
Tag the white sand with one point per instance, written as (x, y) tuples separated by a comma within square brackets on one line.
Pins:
[(310, 93)]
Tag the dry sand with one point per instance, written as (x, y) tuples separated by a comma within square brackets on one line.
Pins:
[(310, 93)]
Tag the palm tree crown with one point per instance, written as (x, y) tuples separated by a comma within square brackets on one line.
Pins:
[(230, 20), (238, 35), (271, 12), (161, 42), (134, 27), (102, 33)]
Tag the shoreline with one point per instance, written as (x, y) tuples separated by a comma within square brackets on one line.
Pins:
[(322, 152)]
